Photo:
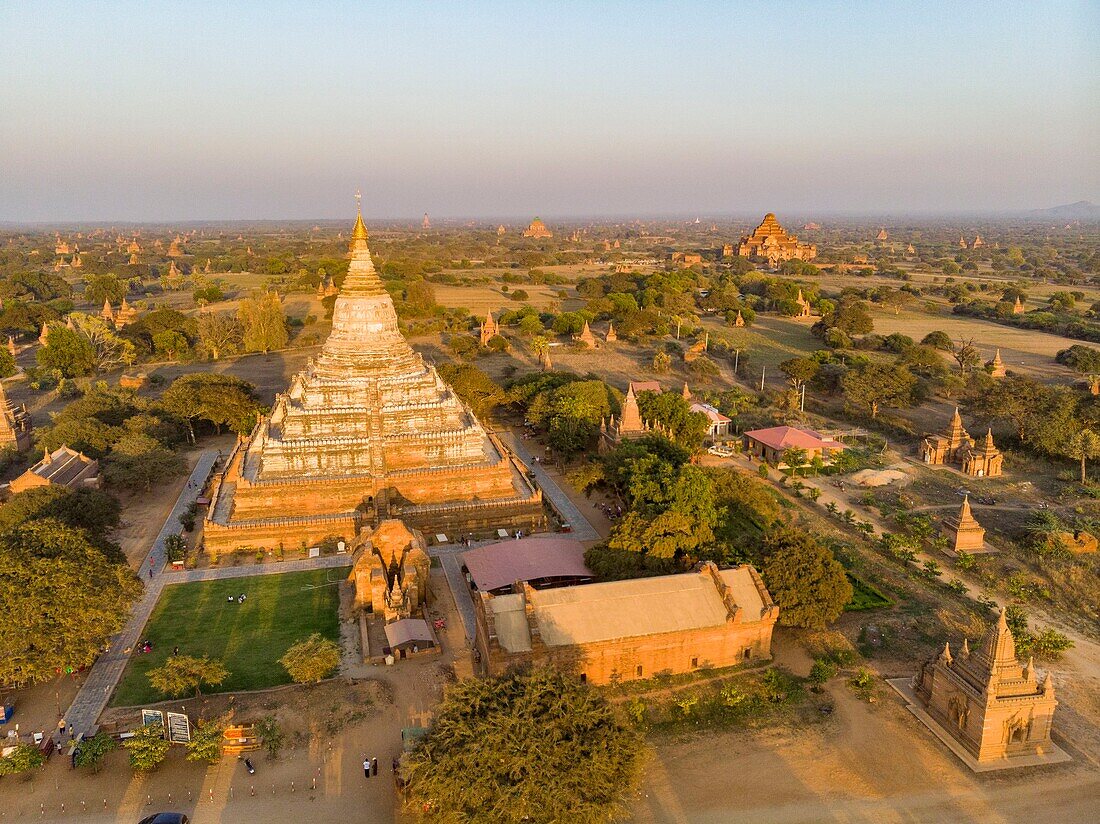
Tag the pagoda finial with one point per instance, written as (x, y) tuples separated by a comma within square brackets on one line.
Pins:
[(359, 232), (989, 438)]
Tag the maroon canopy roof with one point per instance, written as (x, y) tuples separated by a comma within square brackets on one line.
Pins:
[(528, 559)]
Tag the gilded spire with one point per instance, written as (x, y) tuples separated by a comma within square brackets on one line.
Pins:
[(359, 232)]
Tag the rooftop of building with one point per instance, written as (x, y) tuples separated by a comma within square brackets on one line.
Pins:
[(529, 559)]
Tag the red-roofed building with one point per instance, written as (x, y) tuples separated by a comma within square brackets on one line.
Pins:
[(770, 444)]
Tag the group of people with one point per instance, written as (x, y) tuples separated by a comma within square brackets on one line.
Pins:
[(613, 513), (370, 767), (229, 599)]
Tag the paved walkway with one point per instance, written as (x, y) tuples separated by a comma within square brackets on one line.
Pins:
[(104, 675), (452, 565), (582, 530)]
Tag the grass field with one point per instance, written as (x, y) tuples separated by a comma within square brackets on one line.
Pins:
[(865, 596), (249, 638)]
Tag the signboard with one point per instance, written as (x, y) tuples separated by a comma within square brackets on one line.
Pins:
[(179, 728), (152, 717), (315, 552)]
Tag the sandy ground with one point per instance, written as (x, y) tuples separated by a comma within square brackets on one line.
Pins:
[(867, 763)]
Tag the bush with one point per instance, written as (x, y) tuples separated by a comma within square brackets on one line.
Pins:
[(821, 671), (26, 757), (311, 660)]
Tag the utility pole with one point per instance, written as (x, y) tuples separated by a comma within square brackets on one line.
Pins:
[(736, 360), (763, 369), (802, 406)]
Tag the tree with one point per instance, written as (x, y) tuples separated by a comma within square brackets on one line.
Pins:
[(147, 747), (92, 751), (875, 384), (1083, 445), (24, 758), (7, 363), (670, 409), (311, 660), (804, 578), (967, 355), (271, 735), (548, 749), (89, 509), (221, 400), (105, 287), (169, 344), (799, 371), (67, 351), (220, 333), (207, 738), (111, 350), (1080, 358), (182, 674), (138, 460), (479, 391), (939, 340), (61, 597), (263, 322)]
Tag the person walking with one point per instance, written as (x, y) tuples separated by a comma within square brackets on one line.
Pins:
[(366, 768)]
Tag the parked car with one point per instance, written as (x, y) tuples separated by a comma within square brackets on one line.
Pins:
[(165, 818)]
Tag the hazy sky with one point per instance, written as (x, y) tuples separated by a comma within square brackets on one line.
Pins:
[(194, 110)]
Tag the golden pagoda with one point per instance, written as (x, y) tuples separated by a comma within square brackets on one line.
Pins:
[(489, 329), (996, 366), (366, 431)]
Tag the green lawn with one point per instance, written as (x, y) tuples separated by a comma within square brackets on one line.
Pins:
[(865, 596), (249, 638)]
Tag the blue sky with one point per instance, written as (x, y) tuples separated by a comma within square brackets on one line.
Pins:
[(194, 110)]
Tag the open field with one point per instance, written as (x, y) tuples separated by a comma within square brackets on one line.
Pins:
[(249, 638)]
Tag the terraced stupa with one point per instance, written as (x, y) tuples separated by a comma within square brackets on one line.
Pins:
[(366, 431)]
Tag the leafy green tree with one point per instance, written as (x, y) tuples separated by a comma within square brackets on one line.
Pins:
[(92, 751), (479, 391), (939, 340), (549, 749), (806, 581), (1080, 358), (67, 351), (7, 363), (111, 350), (271, 735), (220, 333), (220, 400), (147, 747), (670, 409), (874, 384), (1083, 445), (26, 757), (571, 414), (799, 371), (137, 461), (263, 322), (312, 659), (183, 674), (104, 287), (170, 344), (89, 509), (61, 597), (207, 738)]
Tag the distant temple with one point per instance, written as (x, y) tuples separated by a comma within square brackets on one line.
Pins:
[(366, 431), (997, 366), (611, 335), (426, 223), (15, 422), (964, 531), (997, 711), (489, 329), (537, 229), (882, 235), (587, 338), (770, 242), (501, 230), (1018, 306), (628, 426), (175, 248), (955, 446)]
